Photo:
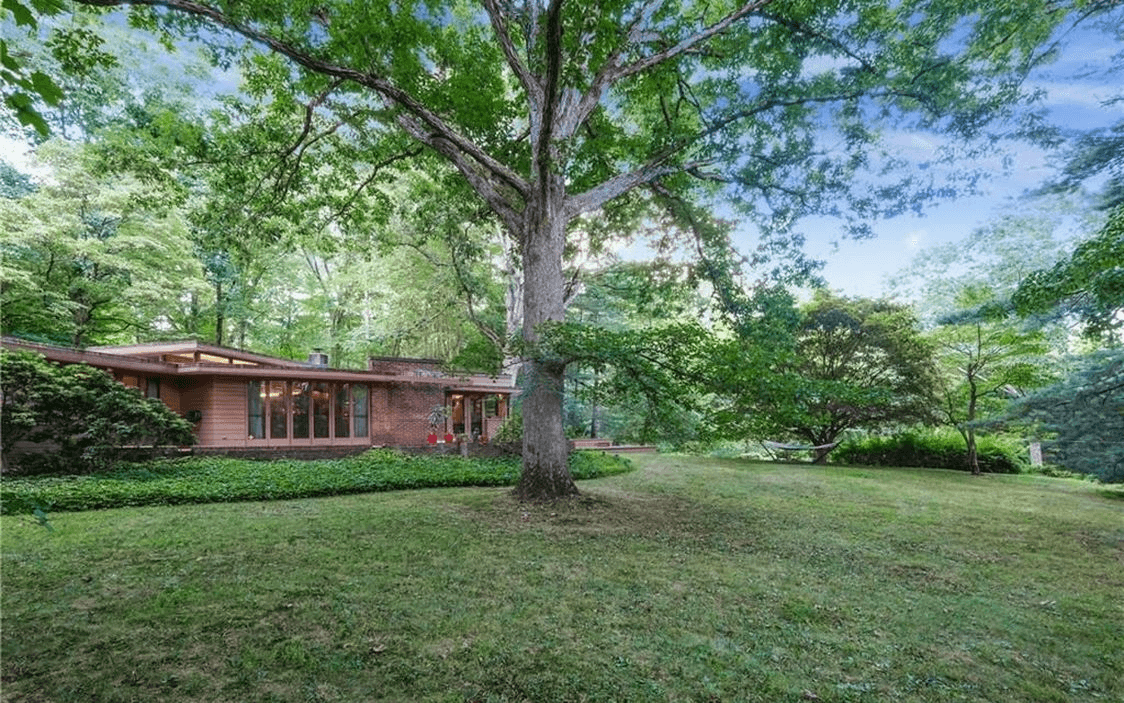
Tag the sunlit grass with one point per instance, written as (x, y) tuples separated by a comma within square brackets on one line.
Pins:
[(689, 579)]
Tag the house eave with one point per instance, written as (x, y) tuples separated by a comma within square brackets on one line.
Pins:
[(132, 360)]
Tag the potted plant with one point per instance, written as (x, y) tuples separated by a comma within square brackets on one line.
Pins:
[(436, 417)]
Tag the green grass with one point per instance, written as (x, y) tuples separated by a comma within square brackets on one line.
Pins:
[(217, 479), (689, 579)]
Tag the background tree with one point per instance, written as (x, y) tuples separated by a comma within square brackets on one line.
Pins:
[(986, 360), (854, 363), (1029, 235), (1081, 417), (90, 258), (627, 401)]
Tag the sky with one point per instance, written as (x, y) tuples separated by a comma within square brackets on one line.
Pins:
[(1076, 88)]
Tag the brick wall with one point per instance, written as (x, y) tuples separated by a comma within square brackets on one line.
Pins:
[(404, 367), (409, 413)]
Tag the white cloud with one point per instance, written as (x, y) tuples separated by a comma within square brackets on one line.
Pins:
[(1074, 94)]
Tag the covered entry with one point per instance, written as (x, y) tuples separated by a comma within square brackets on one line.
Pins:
[(478, 415)]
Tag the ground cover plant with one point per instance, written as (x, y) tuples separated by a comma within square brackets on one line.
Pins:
[(689, 579), (218, 479)]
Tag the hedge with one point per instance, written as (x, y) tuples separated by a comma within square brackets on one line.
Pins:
[(933, 449)]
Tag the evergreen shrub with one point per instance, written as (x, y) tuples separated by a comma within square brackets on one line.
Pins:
[(89, 419)]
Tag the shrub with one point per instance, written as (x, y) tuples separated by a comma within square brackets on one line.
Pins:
[(82, 411), (511, 431), (939, 449)]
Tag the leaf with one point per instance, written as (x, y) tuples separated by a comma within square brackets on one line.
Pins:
[(24, 16), (47, 88), (23, 105)]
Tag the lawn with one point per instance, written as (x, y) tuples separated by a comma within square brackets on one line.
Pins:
[(689, 579)]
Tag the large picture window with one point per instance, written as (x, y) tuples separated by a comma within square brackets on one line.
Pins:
[(278, 410), (304, 410), (342, 410), (301, 397), (321, 409)]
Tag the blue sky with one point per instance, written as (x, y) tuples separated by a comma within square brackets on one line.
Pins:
[(1078, 86)]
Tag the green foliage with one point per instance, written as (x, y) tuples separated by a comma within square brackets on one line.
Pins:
[(22, 88), (1088, 284), (987, 359), (861, 364), (221, 479), (849, 363), (636, 377), (654, 371), (82, 411), (934, 449), (511, 431), (595, 464), (90, 257), (1081, 418)]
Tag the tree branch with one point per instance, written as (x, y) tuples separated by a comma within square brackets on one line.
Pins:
[(497, 16), (382, 86), (501, 202), (613, 71)]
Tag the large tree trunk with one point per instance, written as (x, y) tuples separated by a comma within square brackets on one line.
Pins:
[(546, 470)]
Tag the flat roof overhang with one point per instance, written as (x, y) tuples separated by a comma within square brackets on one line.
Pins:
[(93, 358), (340, 375), (288, 371)]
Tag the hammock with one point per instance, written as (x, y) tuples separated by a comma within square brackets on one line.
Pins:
[(798, 447)]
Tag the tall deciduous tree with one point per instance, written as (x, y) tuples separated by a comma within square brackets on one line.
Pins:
[(92, 259), (550, 110)]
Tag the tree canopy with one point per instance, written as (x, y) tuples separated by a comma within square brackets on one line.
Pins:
[(852, 363), (1088, 284)]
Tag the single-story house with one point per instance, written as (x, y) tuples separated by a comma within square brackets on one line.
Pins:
[(244, 401)]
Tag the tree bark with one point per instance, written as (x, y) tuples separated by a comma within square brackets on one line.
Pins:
[(973, 454), (220, 318), (546, 470), (973, 400)]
